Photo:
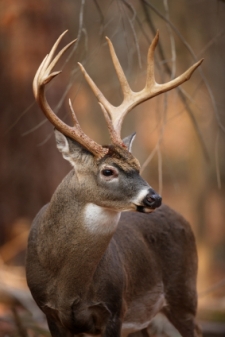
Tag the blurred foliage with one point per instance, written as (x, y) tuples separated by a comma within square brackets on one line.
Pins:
[(181, 132)]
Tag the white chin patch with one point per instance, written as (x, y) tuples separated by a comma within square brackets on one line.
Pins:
[(147, 210), (140, 197)]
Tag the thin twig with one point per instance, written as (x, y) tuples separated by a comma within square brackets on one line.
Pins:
[(102, 19), (45, 140), (173, 28), (172, 41), (56, 108), (218, 175), (81, 20), (21, 329), (63, 66), (211, 289), (179, 90), (157, 146), (194, 123), (131, 21), (164, 121), (121, 9), (74, 72), (211, 42), (160, 174), (222, 127), (37, 126), (20, 116), (140, 24)]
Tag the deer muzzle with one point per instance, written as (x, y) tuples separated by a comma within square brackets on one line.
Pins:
[(151, 201)]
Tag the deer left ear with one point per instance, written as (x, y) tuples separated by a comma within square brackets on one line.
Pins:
[(128, 141), (72, 151)]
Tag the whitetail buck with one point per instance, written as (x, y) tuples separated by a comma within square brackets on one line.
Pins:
[(92, 268)]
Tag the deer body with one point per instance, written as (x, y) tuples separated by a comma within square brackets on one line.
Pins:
[(93, 269), (163, 280), (99, 260), (153, 265)]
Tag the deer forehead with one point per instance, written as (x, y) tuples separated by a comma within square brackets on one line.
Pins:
[(126, 166), (121, 158)]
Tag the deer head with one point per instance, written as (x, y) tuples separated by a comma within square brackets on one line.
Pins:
[(108, 175)]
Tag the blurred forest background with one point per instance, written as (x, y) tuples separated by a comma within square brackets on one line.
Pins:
[(180, 135)]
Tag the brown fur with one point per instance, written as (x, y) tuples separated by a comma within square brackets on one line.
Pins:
[(118, 155), (89, 280)]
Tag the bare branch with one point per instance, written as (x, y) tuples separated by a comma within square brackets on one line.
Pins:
[(222, 127), (157, 146), (180, 92), (218, 174), (211, 289), (160, 174), (131, 98), (131, 22), (19, 324), (211, 42), (172, 41)]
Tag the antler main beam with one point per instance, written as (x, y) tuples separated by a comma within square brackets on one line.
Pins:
[(42, 77), (115, 115)]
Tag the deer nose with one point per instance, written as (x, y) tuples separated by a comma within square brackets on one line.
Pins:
[(152, 199)]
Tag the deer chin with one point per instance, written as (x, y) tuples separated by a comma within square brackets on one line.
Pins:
[(143, 209), (146, 201)]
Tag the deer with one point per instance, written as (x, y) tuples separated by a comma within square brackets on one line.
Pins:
[(105, 256)]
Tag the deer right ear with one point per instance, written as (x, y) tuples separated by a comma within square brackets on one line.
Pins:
[(128, 141), (71, 150)]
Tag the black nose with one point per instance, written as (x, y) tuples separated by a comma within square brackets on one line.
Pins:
[(152, 199)]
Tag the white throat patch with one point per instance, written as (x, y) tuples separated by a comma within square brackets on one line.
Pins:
[(100, 220)]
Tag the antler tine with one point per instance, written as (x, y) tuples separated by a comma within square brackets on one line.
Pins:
[(45, 63), (42, 77), (115, 137), (152, 87), (150, 77), (127, 92), (115, 115), (106, 107)]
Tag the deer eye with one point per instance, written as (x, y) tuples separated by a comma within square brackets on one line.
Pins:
[(109, 173)]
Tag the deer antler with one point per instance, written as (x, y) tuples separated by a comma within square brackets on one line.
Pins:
[(42, 77), (115, 115)]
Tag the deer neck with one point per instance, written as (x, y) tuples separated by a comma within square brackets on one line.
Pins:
[(73, 230)]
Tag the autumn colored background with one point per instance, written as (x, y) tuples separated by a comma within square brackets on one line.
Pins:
[(180, 135)]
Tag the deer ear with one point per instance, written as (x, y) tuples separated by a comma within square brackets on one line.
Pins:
[(72, 150), (128, 141), (61, 142)]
